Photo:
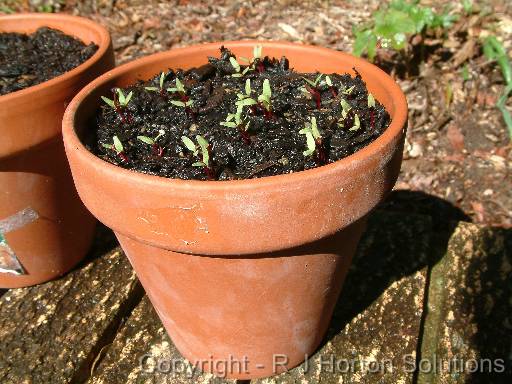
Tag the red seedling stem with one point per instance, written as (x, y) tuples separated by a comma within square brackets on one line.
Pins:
[(123, 157), (316, 96), (260, 67), (372, 118), (210, 173)]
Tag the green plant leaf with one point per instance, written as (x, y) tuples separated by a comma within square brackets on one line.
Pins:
[(199, 164), (120, 96), (179, 86), (310, 82), (162, 79), (204, 148), (256, 52), (128, 98), (178, 103), (246, 102), (234, 63), (188, 143), (314, 128), (371, 101), (230, 124), (152, 89), (248, 87), (266, 89), (147, 140), (109, 102), (118, 145)]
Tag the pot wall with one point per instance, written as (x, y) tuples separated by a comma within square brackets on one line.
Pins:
[(34, 173)]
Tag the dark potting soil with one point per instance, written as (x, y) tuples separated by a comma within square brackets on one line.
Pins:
[(27, 60), (141, 127)]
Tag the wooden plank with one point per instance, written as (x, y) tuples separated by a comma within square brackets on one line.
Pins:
[(51, 333), (468, 329)]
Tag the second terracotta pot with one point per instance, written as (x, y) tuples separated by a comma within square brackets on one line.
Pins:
[(243, 274), (44, 228)]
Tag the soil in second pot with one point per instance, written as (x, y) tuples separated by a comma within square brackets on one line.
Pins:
[(236, 118), (27, 60)]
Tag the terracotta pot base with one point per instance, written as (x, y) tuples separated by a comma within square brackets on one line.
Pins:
[(252, 308)]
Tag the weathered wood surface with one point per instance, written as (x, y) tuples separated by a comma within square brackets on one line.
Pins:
[(468, 324), (410, 296), (52, 333)]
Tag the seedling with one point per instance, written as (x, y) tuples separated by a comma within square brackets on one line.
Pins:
[(312, 87), (160, 88), (238, 69), (184, 101), (235, 120), (313, 141), (256, 62), (202, 148), (153, 142), (119, 104), (264, 98), (371, 106), (118, 147)]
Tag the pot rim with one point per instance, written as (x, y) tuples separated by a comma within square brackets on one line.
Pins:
[(103, 45), (398, 124)]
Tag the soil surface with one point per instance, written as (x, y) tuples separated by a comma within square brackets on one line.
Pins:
[(266, 138), (27, 60)]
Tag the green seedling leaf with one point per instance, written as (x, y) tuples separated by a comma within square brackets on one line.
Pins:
[(204, 148), (246, 102), (128, 98), (189, 103), (256, 52), (310, 82), (178, 103), (121, 97), (152, 89), (199, 164), (109, 102), (348, 91), (162, 79), (310, 141), (267, 92), (328, 81), (146, 140), (189, 144), (108, 146), (357, 123), (118, 145), (314, 128), (234, 63), (345, 107), (230, 124), (248, 87), (179, 86), (371, 101)]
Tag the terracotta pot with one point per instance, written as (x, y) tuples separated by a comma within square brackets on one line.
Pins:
[(44, 226), (240, 270)]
